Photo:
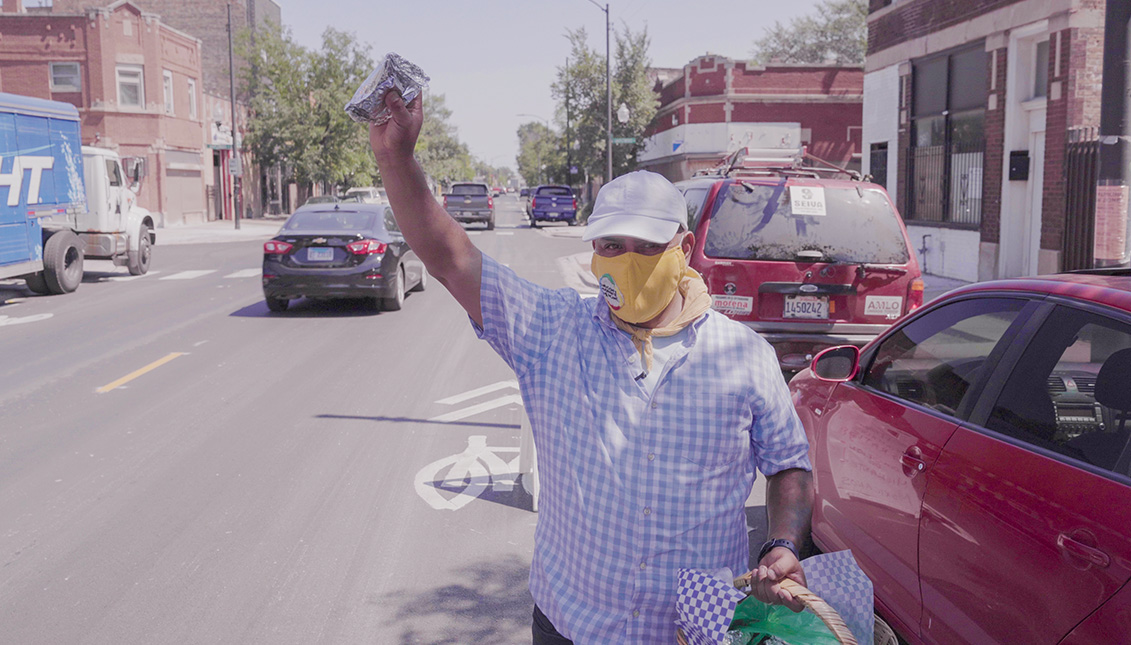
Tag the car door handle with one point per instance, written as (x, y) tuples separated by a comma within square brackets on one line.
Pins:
[(912, 461), (1078, 549)]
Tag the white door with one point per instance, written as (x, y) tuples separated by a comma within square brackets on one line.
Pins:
[(1035, 202)]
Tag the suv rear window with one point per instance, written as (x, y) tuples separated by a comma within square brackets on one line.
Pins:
[(331, 220), (753, 222), (555, 190), (468, 189)]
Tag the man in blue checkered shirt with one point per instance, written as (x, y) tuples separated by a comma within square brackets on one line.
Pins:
[(651, 412)]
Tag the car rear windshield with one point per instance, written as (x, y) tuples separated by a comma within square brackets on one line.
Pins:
[(331, 221), (468, 189), (753, 222), (555, 190)]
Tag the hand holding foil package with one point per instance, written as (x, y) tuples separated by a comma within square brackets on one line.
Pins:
[(393, 73)]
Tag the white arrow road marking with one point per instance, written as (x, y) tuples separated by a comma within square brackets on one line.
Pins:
[(470, 472), (246, 273), (471, 394), (188, 275), (8, 320), (479, 407), (127, 278)]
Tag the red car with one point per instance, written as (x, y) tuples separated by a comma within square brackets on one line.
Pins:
[(975, 459), (807, 261)]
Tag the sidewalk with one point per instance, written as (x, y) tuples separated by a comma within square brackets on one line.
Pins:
[(220, 231), (937, 285)]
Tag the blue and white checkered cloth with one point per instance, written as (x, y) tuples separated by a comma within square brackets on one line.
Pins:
[(705, 606), (635, 486)]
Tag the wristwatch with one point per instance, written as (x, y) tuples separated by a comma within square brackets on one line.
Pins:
[(773, 544)]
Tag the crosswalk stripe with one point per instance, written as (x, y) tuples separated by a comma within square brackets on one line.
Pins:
[(188, 275), (245, 273), (127, 278)]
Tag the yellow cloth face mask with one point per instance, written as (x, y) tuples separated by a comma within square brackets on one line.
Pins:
[(638, 287)]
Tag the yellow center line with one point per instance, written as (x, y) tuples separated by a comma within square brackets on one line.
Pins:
[(132, 375)]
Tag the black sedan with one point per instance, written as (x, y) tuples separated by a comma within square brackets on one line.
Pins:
[(344, 250)]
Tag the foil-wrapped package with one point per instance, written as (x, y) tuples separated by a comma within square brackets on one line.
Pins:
[(394, 72)]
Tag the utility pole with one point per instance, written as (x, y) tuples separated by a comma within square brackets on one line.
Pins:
[(1112, 203), (608, 99), (569, 139), (235, 168)]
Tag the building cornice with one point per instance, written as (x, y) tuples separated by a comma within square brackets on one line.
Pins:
[(719, 99)]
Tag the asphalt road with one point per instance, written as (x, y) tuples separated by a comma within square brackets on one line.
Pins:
[(179, 465)]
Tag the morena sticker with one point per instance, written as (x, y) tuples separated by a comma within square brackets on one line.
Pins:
[(611, 292)]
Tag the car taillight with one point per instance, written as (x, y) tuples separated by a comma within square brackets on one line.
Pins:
[(534, 202), (445, 201), (915, 295), (275, 247), (367, 247), (574, 203), (490, 202)]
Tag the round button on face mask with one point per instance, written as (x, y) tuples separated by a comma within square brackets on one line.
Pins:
[(638, 287)]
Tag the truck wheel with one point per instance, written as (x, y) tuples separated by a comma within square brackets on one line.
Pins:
[(277, 304), (62, 262), (491, 223), (37, 284), (533, 223), (139, 263)]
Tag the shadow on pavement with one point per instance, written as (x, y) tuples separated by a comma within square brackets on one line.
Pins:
[(487, 602), (473, 424), (307, 308), (516, 497)]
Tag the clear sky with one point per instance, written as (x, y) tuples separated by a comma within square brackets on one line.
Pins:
[(496, 59)]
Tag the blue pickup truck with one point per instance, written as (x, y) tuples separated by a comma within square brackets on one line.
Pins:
[(552, 204), (61, 202)]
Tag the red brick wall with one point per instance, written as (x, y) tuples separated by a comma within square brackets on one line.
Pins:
[(995, 150), (707, 113), (916, 18)]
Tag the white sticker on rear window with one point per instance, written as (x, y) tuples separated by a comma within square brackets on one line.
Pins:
[(889, 307), (732, 305), (807, 200)]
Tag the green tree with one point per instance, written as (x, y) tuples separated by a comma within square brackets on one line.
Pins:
[(341, 155), (838, 34), (581, 95), (440, 152), (541, 155)]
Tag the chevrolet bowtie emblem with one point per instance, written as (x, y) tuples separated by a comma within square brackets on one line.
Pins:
[(319, 240)]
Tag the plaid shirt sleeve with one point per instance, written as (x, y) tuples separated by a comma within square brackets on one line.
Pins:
[(777, 434), (520, 319)]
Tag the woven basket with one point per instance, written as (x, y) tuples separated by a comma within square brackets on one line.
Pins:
[(826, 613)]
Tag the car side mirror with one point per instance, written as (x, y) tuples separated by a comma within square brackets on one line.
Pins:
[(837, 364)]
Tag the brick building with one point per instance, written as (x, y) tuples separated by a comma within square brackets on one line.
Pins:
[(208, 21), (971, 107), (717, 105), (135, 81)]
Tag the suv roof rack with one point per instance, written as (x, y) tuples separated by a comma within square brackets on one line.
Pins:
[(776, 162)]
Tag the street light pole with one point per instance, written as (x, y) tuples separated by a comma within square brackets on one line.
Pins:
[(235, 178), (608, 100)]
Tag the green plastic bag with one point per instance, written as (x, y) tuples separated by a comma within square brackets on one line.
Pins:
[(760, 620)]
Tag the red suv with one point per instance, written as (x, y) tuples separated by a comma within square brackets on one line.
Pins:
[(807, 260), (976, 460)]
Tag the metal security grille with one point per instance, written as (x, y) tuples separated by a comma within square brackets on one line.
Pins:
[(1081, 172), (946, 183)]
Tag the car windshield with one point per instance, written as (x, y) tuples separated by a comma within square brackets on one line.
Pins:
[(331, 221), (322, 199), (468, 189), (555, 190), (849, 225)]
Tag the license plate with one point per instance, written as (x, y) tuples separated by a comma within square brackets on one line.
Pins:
[(806, 307), (319, 254), (551, 214), (469, 213)]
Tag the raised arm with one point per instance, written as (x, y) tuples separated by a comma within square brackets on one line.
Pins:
[(437, 239)]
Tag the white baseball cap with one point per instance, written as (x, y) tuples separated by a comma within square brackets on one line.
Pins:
[(641, 204)]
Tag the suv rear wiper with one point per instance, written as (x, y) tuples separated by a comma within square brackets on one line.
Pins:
[(864, 267)]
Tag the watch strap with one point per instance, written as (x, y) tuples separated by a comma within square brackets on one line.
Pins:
[(773, 544)]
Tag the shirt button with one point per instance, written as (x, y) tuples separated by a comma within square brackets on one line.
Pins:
[(643, 565), (635, 613), (655, 405), (632, 359), (651, 456), (647, 510)]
